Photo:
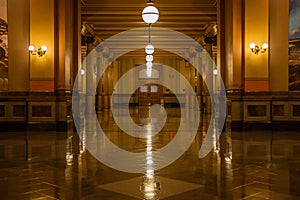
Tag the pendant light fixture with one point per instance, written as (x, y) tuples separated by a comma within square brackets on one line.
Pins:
[(150, 15)]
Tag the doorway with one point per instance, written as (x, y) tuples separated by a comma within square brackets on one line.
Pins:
[(149, 94)]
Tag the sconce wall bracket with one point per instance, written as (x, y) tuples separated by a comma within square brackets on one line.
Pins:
[(40, 51), (256, 49)]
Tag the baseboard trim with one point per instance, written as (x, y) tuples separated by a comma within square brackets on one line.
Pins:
[(265, 126), (13, 126)]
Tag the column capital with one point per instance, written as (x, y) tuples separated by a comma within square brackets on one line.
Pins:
[(87, 39), (211, 39)]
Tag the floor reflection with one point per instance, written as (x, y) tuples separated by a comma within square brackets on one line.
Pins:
[(243, 165)]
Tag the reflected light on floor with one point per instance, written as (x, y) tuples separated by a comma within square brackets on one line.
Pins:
[(150, 187)]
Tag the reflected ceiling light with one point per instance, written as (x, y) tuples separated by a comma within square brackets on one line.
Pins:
[(149, 58), (149, 158), (149, 162), (150, 14), (149, 49), (256, 49), (40, 51)]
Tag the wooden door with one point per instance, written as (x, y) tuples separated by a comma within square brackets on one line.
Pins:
[(149, 94)]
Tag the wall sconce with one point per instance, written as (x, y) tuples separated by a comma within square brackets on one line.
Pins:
[(82, 71), (215, 72), (256, 49), (40, 51)]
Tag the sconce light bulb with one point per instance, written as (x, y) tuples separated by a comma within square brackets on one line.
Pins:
[(31, 48), (252, 45), (82, 72), (44, 48), (215, 72), (265, 46)]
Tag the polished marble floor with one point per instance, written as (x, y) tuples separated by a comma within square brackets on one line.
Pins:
[(243, 165)]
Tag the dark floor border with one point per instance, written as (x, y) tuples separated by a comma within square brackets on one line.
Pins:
[(13, 126), (36, 126), (265, 126)]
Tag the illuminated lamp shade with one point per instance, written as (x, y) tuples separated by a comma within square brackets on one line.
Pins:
[(40, 51), (149, 49), (265, 46), (150, 14), (252, 45), (44, 48), (31, 48), (215, 72), (82, 72), (149, 58)]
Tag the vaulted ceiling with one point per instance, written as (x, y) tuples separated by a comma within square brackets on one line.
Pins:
[(194, 18)]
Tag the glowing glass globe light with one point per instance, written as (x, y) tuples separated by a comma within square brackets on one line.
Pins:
[(149, 64), (150, 14), (252, 45), (149, 58), (265, 46), (82, 72), (149, 49), (31, 48), (44, 48)]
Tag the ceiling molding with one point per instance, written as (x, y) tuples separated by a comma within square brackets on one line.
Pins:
[(107, 18)]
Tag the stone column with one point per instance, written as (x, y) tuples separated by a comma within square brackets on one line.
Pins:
[(18, 40), (192, 76), (110, 79), (67, 39), (230, 48), (278, 45), (106, 96), (208, 84), (90, 74), (233, 46), (99, 97), (188, 77)]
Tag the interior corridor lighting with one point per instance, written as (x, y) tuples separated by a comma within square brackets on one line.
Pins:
[(150, 14), (256, 49), (215, 72), (149, 58), (149, 64), (82, 71), (149, 49), (40, 51)]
